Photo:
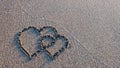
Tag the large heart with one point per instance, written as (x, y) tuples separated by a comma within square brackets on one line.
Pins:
[(26, 40)]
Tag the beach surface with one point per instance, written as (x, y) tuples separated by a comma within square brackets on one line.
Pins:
[(92, 28)]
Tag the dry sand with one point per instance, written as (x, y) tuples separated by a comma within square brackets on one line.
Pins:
[(91, 26)]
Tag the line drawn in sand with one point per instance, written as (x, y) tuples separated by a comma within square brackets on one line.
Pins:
[(46, 38)]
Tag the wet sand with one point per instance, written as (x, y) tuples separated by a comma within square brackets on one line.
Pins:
[(91, 26)]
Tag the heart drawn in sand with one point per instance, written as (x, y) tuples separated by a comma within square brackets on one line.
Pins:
[(45, 40)]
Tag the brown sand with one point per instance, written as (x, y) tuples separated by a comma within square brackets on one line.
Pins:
[(92, 27)]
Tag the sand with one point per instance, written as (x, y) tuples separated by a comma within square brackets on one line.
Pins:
[(91, 26)]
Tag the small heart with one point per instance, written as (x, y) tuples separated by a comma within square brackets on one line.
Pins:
[(49, 40), (53, 48)]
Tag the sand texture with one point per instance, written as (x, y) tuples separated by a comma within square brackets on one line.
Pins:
[(92, 28)]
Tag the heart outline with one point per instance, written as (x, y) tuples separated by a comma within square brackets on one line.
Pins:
[(57, 37)]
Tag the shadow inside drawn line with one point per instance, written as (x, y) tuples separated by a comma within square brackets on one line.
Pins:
[(51, 32), (34, 31), (18, 47), (48, 58)]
